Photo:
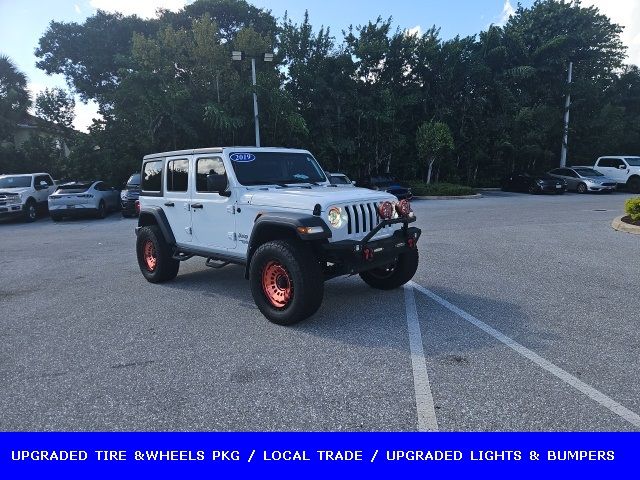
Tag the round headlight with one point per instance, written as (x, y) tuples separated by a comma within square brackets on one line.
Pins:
[(385, 209), (336, 217)]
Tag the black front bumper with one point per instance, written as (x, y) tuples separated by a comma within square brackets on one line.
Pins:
[(129, 206), (349, 257)]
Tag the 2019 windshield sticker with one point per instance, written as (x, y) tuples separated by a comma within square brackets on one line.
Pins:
[(242, 157)]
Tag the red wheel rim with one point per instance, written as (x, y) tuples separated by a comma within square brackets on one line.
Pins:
[(276, 284), (149, 254)]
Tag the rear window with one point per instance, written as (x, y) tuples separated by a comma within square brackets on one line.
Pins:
[(134, 180), (74, 188), (152, 176)]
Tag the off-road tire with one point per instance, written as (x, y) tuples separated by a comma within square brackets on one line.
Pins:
[(302, 274), (30, 211), (633, 185), (165, 267), (396, 274)]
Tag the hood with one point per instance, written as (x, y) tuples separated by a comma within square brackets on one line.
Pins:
[(15, 190), (306, 198)]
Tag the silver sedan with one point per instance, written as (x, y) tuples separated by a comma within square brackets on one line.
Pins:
[(584, 179)]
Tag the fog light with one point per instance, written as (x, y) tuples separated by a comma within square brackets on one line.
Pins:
[(403, 207), (385, 209)]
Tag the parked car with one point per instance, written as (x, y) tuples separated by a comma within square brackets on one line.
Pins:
[(90, 198), (390, 185), (622, 169), (340, 180), (25, 195), (584, 179), (532, 183), (128, 196)]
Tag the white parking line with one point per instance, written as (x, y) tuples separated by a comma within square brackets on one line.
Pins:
[(596, 395), (427, 421)]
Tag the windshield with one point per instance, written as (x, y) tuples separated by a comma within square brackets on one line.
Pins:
[(15, 181), (134, 180), (339, 180), (588, 172), (633, 161), (272, 168)]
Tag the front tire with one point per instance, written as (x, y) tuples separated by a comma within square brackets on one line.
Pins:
[(394, 275), (286, 281), (582, 188), (634, 185), (30, 211), (154, 256), (102, 209)]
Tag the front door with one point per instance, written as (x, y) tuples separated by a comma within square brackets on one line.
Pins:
[(610, 167), (212, 214), (177, 199)]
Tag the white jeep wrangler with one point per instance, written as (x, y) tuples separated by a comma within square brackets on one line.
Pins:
[(273, 211)]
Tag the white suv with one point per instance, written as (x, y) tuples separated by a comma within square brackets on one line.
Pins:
[(274, 211), (25, 194), (623, 169)]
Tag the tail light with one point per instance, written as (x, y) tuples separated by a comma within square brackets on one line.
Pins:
[(85, 195), (138, 207), (385, 209)]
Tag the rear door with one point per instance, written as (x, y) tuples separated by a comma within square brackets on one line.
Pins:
[(212, 214), (177, 199)]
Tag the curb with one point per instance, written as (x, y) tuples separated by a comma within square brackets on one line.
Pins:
[(446, 197), (618, 224)]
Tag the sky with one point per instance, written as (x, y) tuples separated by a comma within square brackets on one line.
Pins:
[(23, 22)]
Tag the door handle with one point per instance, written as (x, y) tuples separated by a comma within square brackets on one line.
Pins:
[(196, 205), (169, 204)]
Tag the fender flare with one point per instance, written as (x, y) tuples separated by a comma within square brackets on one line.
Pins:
[(267, 224), (160, 219)]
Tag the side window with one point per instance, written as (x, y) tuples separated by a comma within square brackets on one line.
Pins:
[(38, 179), (570, 173), (603, 162), (616, 162), (152, 176), (100, 187), (47, 179), (207, 166), (177, 175)]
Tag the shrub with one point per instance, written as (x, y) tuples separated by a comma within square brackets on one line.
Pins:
[(632, 207), (444, 189)]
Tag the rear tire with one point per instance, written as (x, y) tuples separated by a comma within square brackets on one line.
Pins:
[(286, 281), (394, 275), (154, 256), (102, 209), (634, 185)]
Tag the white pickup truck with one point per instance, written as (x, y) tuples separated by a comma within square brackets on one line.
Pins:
[(623, 169), (25, 195)]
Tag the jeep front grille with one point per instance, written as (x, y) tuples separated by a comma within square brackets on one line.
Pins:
[(362, 217)]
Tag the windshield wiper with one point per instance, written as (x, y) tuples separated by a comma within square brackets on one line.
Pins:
[(265, 182)]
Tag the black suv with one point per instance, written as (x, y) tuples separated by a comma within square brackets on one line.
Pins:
[(130, 193), (388, 184)]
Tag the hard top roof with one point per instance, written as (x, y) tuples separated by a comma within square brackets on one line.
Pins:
[(197, 151)]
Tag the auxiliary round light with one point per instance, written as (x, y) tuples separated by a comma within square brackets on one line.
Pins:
[(403, 207), (385, 209)]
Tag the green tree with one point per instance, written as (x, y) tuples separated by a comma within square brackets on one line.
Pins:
[(56, 106), (14, 97), (433, 141)]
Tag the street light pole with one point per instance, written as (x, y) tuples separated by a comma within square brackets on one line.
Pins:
[(255, 101), (565, 132)]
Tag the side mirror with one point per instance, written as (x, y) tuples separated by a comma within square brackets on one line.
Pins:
[(622, 167), (217, 183)]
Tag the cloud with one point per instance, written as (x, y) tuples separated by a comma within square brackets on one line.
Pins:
[(507, 11), (627, 14), (85, 113), (414, 31), (76, 7), (142, 8)]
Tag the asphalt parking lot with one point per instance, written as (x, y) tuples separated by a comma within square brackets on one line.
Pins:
[(87, 344)]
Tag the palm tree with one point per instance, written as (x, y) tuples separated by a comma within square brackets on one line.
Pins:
[(14, 96)]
